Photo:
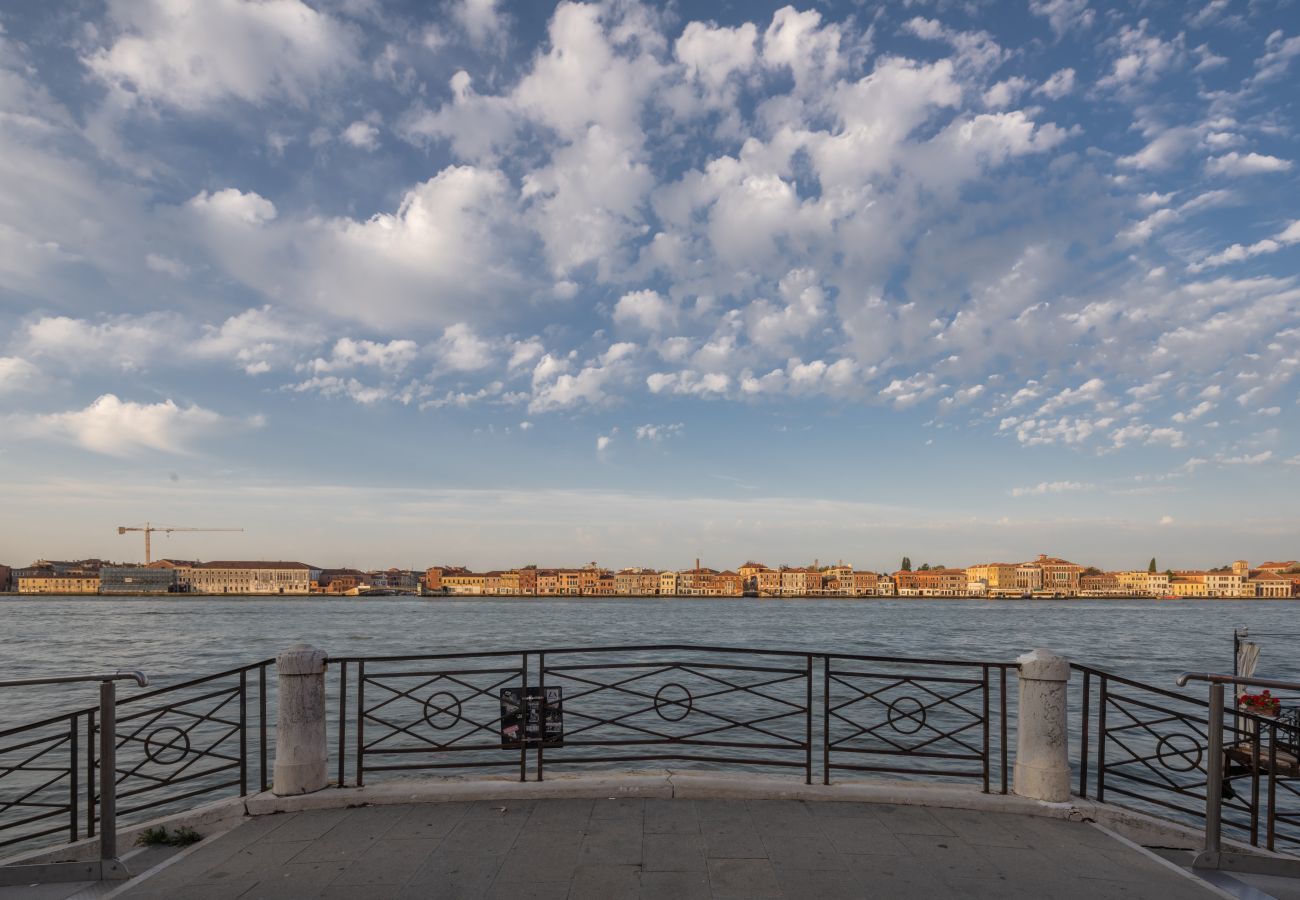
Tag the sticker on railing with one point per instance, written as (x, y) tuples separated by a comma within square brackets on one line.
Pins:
[(533, 717)]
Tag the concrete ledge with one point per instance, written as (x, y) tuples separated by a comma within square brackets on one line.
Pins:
[(210, 818), (665, 784)]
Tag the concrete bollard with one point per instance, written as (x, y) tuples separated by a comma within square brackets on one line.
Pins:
[(1042, 736), (300, 750)]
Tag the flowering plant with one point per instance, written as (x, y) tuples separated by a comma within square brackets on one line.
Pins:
[(1263, 703)]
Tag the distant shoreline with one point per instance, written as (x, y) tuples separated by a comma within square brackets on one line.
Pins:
[(7, 595)]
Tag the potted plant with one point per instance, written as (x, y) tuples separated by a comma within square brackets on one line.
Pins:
[(1261, 704)]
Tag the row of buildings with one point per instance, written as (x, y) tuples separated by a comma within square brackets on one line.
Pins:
[(1045, 576)]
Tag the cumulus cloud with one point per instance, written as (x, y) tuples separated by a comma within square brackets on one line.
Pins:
[(1052, 487), (192, 53), (646, 309), (1235, 163), (16, 374), (1240, 252), (660, 432), (362, 135), (122, 428)]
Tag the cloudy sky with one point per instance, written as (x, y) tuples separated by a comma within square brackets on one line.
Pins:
[(493, 283)]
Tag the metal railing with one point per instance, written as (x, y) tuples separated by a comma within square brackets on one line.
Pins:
[(88, 771), (1174, 755), (692, 706), (1275, 755)]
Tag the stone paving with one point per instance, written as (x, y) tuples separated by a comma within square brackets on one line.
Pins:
[(672, 849)]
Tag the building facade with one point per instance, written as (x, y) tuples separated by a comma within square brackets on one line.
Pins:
[(137, 580), (253, 577)]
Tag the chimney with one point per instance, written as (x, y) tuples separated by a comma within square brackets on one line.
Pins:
[(697, 564)]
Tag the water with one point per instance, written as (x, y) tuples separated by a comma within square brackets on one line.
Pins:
[(174, 639)]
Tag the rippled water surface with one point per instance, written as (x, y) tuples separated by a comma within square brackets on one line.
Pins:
[(173, 639)]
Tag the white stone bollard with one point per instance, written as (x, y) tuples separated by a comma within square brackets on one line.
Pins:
[(300, 751), (1042, 735)]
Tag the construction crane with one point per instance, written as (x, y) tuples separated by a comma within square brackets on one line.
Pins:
[(150, 529)]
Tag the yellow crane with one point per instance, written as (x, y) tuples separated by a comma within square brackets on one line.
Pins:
[(150, 529)]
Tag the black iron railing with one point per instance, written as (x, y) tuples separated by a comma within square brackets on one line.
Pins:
[(1150, 749), (691, 706), (201, 738)]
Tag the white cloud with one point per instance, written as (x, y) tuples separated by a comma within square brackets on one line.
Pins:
[(688, 382), (362, 135), (348, 353), (1235, 163), (647, 309), (1141, 433), (233, 205), (122, 428), (713, 54), (1052, 487), (1063, 15), (604, 440), (192, 53), (659, 432), (483, 21), (1166, 520), (1058, 85), (1005, 92), (461, 349), (16, 374), (1255, 459), (1239, 252), (159, 263), (448, 250)]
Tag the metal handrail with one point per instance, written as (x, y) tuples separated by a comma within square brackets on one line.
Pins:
[(1213, 856), (1248, 681), (120, 675), (108, 866)]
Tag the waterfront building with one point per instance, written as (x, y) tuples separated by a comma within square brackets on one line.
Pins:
[(1241, 567), (548, 582), (1187, 586), (527, 580), (1029, 578), (6, 574), (253, 577), (667, 584), (800, 581), (1102, 584), (749, 575), (50, 581), (637, 582), (767, 582), (697, 582), (183, 569), (1143, 583), (885, 586), (137, 580), (1280, 567), (1269, 584), (339, 581), (996, 579), (463, 581), (865, 584), (1060, 576), (433, 579), (1224, 584)]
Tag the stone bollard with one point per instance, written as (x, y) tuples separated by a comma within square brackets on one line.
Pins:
[(1042, 736), (300, 751)]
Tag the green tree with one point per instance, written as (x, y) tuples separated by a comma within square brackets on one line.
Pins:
[(1151, 566), (907, 564), (925, 567), (1092, 570)]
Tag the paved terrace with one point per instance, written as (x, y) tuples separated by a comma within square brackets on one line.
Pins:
[(654, 848)]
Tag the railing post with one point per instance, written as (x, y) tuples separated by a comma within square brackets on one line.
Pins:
[(1042, 734), (107, 770), (300, 749), (1213, 781)]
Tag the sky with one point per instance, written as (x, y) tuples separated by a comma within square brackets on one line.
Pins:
[(487, 284)]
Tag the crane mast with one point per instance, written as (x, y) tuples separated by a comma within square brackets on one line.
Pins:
[(149, 530)]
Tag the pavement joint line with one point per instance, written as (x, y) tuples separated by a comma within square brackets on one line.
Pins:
[(137, 880), (1168, 864)]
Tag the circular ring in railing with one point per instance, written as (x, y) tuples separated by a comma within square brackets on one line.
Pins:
[(159, 750), (898, 713), (686, 703), (433, 710), (1167, 751)]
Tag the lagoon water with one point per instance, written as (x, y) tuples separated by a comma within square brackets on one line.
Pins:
[(176, 638)]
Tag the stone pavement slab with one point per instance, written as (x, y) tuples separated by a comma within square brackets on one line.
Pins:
[(670, 849)]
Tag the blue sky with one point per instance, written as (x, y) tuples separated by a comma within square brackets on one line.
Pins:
[(495, 283)]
